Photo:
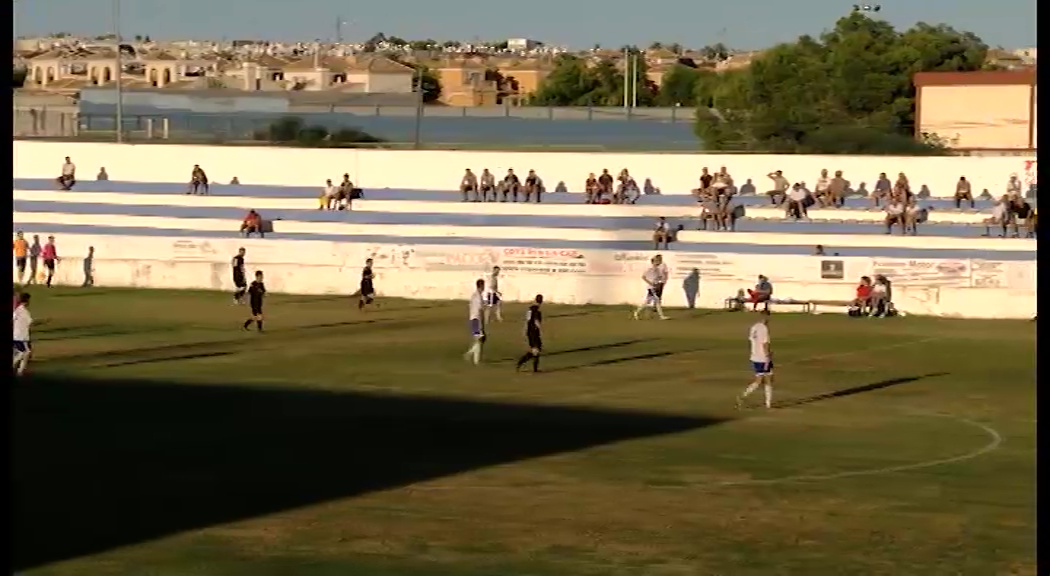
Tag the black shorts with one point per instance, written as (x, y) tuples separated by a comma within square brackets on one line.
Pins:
[(367, 290), (49, 264), (535, 339), (658, 290), (240, 282), (21, 263), (257, 308)]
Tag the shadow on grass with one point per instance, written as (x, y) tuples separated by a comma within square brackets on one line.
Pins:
[(101, 464), (882, 384), (619, 360)]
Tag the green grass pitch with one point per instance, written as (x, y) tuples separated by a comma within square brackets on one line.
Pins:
[(154, 437)]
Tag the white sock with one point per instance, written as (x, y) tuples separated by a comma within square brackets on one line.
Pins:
[(659, 309), (476, 352), (499, 314), (23, 361), (769, 395), (16, 359), (638, 310), (750, 388)]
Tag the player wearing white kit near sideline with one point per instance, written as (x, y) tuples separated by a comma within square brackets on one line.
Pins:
[(493, 298), (655, 278), (761, 361), (22, 320), (477, 326)]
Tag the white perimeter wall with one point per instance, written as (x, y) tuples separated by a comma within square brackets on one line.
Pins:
[(958, 288), (442, 170)]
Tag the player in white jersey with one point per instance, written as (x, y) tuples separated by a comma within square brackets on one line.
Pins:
[(493, 298), (655, 278), (477, 326), (22, 320), (761, 361)]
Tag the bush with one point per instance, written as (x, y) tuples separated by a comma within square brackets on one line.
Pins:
[(291, 131)]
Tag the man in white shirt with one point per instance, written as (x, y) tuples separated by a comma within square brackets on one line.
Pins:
[(22, 321), (655, 277), (796, 207), (822, 186), (331, 195), (761, 361), (494, 298), (1013, 186), (894, 215), (69, 175), (477, 327)]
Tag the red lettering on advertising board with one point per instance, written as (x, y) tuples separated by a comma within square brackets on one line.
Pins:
[(540, 253)]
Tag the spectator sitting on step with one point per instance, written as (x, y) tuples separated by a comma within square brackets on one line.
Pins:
[(662, 234), (895, 213), (605, 185), (797, 201), (252, 224), (487, 186), (198, 181), (468, 185), (591, 189), (706, 179), (722, 182), (913, 216), (102, 175), (1001, 217), (1013, 186), (348, 193), (836, 196), (627, 191), (882, 190), (1021, 212), (329, 196), (68, 178), (709, 209), (761, 294), (778, 194), (963, 193), (533, 187), (235, 181), (511, 186)]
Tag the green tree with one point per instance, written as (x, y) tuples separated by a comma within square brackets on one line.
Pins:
[(575, 83), (425, 80), (678, 87), (850, 91)]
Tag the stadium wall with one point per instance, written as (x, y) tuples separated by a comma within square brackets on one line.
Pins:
[(955, 288), (442, 170)]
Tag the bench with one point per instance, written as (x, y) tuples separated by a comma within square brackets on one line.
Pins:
[(814, 304), (736, 303)]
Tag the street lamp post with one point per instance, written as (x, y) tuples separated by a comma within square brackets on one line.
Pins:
[(119, 83)]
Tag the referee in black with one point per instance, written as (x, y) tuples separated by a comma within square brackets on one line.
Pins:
[(533, 321), (367, 293), (256, 293), (239, 280)]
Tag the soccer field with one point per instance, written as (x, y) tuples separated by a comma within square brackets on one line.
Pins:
[(156, 438)]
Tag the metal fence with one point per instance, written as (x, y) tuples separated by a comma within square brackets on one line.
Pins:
[(648, 129)]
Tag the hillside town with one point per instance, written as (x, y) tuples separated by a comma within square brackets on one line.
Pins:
[(503, 73)]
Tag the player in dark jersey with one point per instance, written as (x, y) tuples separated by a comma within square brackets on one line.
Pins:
[(240, 281), (367, 292), (533, 321), (256, 294)]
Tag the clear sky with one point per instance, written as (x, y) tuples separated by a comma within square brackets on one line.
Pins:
[(743, 24)]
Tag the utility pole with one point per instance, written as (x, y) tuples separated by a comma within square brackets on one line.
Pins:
[(119, 84), (634, 83), (626, 77), (418, 139)]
